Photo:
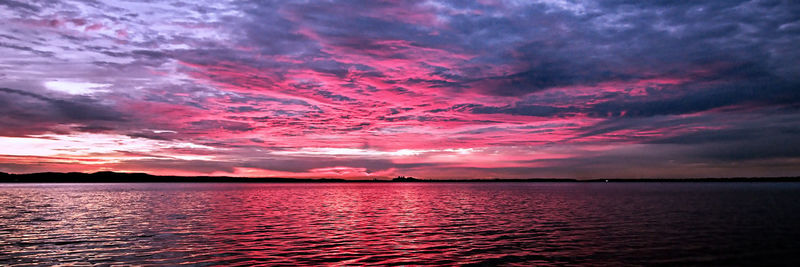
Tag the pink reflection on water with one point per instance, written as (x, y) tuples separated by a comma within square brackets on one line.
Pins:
[(396, 223)]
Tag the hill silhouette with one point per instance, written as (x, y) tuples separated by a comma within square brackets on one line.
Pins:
[(117, 177)]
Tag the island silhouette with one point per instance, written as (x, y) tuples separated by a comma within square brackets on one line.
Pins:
[(405, 179), (122, 177)]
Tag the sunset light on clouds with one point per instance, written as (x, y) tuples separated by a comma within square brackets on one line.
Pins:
[(373, 89)]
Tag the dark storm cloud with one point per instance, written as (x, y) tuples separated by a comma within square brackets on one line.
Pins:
[(362, 30), (773, 138), (150, 54), (94, 128), (243, 109), (271, 32), (777, 136), (22, 104), (653, 124), (621, 42), (256, 99), (332, 96), (19, 5), (210, 125), (27, 49), (524, 110), (25, 113), (154, 136), (763, 92), (752, 91)]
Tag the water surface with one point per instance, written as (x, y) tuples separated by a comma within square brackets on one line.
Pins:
[(396, 224)]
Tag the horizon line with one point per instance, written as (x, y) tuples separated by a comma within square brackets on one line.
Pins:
[(141, 177)]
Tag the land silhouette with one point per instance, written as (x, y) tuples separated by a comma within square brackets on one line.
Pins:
[(118, 177)]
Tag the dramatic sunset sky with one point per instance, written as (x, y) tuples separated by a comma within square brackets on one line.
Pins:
[(432, 89)]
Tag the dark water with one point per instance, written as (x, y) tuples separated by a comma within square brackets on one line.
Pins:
[(399, 224)]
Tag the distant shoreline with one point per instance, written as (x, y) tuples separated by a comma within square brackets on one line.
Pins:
[(114, 177)]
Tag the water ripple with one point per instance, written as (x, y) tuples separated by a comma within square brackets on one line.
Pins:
[(400, 224)]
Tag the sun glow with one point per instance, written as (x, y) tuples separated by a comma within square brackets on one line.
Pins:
[(77, 88), (356, 152), (95, 146)]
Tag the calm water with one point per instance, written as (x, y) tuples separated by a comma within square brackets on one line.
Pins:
[(395, 224)]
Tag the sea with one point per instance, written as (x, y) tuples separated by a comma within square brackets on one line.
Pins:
[(473, 224)]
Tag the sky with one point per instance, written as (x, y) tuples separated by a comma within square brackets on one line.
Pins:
[(375, 89)]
